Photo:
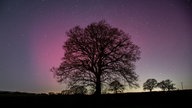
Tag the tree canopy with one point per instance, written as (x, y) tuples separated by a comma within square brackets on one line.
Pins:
[(116, 87), (76, 89), (166, 85), (97, 54), (150, 84)]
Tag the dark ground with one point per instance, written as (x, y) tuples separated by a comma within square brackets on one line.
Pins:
[(172, 99)]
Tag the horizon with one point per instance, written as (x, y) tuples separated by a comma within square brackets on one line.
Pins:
[(146, 91)]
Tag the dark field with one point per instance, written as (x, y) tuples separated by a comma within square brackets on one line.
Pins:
[(170, 99)]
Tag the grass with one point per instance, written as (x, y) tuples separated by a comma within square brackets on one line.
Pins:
[(169, 99)]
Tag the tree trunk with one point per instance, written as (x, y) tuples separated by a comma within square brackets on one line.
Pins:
[(115, 91), (98, 86)]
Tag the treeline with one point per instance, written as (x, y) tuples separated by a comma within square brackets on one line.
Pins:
[(165, 85)]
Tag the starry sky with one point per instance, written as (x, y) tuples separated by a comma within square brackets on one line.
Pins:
[(32, 33)]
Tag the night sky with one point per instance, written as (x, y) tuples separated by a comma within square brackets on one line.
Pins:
[(32, 33)]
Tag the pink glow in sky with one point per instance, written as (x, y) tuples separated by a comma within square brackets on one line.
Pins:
[(46, 52)]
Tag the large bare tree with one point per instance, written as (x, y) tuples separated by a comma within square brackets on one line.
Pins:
[(97, 54)]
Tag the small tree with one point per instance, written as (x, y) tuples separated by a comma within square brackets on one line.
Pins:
[(76, 89), (66, 92), (150, 84), (166, 85), (116, 86)]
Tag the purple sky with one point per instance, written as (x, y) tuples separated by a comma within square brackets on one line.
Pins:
[(32, 33)]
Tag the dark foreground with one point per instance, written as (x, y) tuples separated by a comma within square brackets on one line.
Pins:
[(129, 100)]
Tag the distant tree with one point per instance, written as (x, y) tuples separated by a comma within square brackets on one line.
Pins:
[(166, 85), (51, 93), (104, 89), (116, 87), (97, 54), (150, 84), (91, 90), (66, 92), (76, 89), (162, 85)]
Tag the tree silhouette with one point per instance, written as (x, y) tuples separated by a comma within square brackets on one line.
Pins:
[(166, 85), (76, 89), (66, 92), (97, 54), (150, 84), (116, 86)]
